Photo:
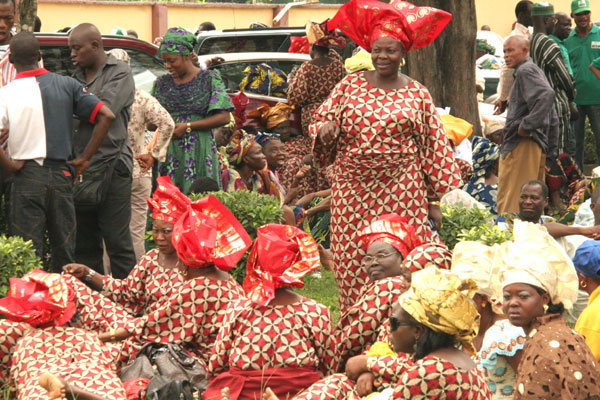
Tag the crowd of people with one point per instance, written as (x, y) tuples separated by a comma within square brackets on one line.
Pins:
[(360, 183)]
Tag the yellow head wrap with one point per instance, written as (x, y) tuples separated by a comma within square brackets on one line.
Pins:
[(442, 301), (535, 258), (270, 117), (457, 129), (474, 260)]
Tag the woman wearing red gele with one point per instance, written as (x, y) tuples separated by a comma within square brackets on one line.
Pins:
[(381, 133), (275, 337)]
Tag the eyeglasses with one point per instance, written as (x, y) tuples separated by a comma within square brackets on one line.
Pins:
[(395, 323), (378, 257)]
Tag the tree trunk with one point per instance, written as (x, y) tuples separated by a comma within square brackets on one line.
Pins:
[(27, 10), (447, 66)]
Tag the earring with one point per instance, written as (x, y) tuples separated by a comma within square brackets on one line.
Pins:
[(583, 284), (403, 62), (184, 272), (545, 308)]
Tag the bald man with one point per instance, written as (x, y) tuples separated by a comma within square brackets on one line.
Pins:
[(103, 195), (531, 129)]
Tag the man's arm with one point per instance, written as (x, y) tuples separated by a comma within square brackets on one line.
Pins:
[(9, 165), (558, 230), (104, 119), (565, 79)]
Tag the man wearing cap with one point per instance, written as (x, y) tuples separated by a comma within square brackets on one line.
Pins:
[(583, 45), (546, 54)]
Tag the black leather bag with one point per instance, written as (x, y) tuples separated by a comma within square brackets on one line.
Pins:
[(91, 188), (160, 388)]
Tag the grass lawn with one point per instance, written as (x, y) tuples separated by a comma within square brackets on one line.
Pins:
[(324, 290)]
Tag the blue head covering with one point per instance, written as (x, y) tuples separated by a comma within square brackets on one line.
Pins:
[(263, 138), (587, 259), (485, 153)]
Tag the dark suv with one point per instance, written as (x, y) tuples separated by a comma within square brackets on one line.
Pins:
[(145, 65)]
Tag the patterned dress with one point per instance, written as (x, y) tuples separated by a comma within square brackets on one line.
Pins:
[(73, 354), (366, 320), (428, 378), (392, 154), (501, 340), (296, 149), (296, 337), (195, 154)]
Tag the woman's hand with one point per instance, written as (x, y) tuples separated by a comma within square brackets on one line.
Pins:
[(77, 270), (355, 366), (115, 335), (180, 129), (328, 133), (145, 161), (364, 384), (435, 214)]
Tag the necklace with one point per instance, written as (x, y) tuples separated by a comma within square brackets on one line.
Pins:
[(163, 263)]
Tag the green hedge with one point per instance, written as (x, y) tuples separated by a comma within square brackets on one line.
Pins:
[(252, 210), (17, 257)]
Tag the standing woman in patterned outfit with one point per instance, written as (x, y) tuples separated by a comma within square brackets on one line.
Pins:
[(197, 101), (381, 132), (275, 337), (152, 279)]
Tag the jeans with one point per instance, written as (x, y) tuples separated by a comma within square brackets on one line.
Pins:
[(109, 222), (593, 113), (42, 198)]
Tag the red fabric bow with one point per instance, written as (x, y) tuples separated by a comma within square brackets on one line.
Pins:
[(209, 234), (167, 203), (299, 45), (393, 230), (240, 102), (40, 299), (281, 256), (365, 21)]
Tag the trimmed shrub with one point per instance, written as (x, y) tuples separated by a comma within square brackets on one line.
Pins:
[(17, 257)]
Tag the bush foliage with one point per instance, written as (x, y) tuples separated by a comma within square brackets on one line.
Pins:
[(252, 210), (17, 257), (460, 223)]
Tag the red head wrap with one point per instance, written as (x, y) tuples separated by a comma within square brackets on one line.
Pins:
[(365, 21), (427, 255), (393, 230), (209, 234), (240, 102), (167, 203), (281, 256), (299, 45), (40, 299)]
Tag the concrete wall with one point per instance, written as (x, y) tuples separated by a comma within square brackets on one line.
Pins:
[(55, 14)]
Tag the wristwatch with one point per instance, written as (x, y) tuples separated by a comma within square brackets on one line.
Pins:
[(188, 128)]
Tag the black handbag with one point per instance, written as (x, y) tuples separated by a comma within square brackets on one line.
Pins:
[(160, 388), (91, 188)]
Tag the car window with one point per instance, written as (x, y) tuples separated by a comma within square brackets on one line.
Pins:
[(144, 67), (233, 73), (233, 44)]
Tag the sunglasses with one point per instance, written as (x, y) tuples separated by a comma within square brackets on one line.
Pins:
[(395, 323)]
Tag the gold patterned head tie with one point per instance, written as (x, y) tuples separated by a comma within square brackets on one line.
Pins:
[(270, 117), (442, 301)]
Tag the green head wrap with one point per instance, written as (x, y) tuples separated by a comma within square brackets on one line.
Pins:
[(177, 41)]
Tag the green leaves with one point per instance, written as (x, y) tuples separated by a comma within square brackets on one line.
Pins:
[(17, 257), (252, 210), (460, 223)]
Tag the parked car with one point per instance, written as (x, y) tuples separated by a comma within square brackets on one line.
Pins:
[(232, 72), (145, 64), (246, 40)]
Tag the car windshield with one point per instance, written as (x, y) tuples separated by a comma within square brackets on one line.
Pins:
[(239, 44), (144, 67), (233, 73)]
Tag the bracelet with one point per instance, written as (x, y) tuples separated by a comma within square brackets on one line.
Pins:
[(188, 128), (113, 334), (434, 203), (88, 277)]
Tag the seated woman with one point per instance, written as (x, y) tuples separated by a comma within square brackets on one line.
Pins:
[(565, 181), (538, 282), (587, 264), (499, 343), (388, 241), (483, 185), (152, 279), (209, 241), (275, 336), (426, 324), (44, 354), (248, 167)]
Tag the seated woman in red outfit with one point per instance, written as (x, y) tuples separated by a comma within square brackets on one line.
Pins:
[(426, 324), (275, 337), (153, 278), (44, 354), (209, 241)]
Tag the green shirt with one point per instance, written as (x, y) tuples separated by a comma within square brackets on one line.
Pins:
[(582, 52), (563, 51)]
